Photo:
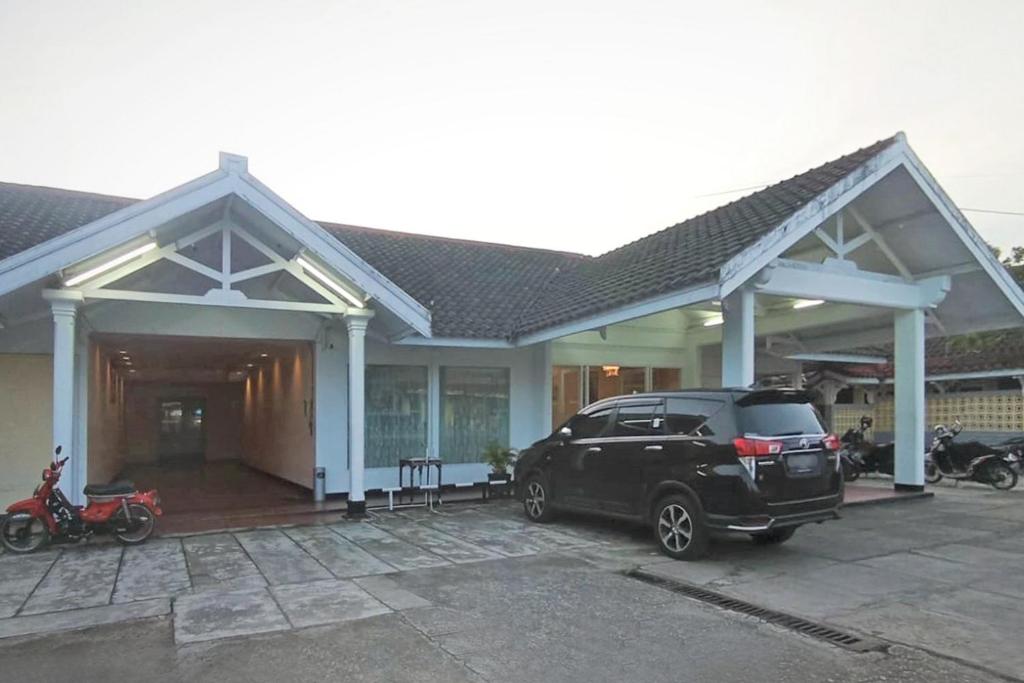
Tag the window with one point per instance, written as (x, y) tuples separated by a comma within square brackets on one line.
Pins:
[(780, 419), (396, 414), (592, 425), (613, 380), (474, 412), (690, 417), (638, 420)]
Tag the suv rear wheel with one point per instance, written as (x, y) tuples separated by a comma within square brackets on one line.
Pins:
[(679, 528)]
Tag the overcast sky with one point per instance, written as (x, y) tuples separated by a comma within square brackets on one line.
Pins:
[(566, 125)]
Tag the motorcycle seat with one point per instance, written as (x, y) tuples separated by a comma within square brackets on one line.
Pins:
[(117, 488)]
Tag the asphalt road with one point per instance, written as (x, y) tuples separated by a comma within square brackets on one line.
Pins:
[(547, 618)]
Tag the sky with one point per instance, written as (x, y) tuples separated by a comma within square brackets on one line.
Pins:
[(577, 126)]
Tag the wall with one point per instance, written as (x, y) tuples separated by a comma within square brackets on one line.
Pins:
[(26, 423), (277, 422), (222, 420), (106, 418)]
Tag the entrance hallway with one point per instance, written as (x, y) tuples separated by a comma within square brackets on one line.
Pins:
[(215, 425)]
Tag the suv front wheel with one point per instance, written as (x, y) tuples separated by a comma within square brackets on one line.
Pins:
[(679, 528), (537, 500)]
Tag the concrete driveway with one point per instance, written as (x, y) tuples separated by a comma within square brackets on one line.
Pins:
[(938, 575)]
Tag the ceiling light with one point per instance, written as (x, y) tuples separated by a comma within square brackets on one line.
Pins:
[(131, 370), (807, 303), (714, 320), (123, 352), (248, 365), (263, 355), (112, 263), (334, 286)]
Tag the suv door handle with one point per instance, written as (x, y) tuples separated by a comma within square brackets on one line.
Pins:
[(594, 449), (652, 447)]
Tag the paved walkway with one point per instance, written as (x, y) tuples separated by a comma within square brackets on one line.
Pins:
[(940, 574), (229, 584)]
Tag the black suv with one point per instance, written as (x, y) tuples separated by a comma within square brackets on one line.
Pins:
[(759, 462)]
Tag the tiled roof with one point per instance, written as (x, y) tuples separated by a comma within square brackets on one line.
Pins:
[(30, 215), (979, 352), (484, 290), (687, 253), (472, 289)]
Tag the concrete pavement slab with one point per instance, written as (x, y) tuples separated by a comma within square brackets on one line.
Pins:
[(441, 544), (154, 569), (341, 557), (488, 533), (974, 554), (927, 567), (19, 575), (326, 602), (388, 592), (280, 559), (213, 615), (396, 552), (71, 620), (217, 562), (81, 577)]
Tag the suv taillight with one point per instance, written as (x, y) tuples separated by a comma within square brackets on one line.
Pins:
[(831, 442), (749, 450), (756, 448)]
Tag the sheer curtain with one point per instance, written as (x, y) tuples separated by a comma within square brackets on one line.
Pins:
[(396, 414), (474, 411)]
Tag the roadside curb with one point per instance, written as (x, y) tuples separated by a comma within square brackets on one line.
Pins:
[(902, 498)]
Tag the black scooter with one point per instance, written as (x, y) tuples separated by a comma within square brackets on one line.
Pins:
[(966, 461), (860, 456)]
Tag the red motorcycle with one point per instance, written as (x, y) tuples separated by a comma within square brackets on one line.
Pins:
[(113, 508)]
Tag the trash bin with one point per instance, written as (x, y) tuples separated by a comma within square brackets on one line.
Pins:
[(319, 484)]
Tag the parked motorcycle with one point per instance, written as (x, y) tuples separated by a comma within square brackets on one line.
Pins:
[(966, 461), (860, 456), (115, 508)]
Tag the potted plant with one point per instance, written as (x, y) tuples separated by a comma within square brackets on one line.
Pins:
[(499, 478)]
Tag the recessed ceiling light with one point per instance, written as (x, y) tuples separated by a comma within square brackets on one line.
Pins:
[(264, 355), (248, 365)]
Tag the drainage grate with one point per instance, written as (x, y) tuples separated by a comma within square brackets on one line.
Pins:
[(829, 634)]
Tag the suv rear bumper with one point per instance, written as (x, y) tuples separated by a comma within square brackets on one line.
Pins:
[(792, 513)]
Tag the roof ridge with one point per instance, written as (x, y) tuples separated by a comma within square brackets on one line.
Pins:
[(81, 193), (459, 240), (890, 140)]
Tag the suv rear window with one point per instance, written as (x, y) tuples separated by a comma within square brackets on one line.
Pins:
[(779, 419)]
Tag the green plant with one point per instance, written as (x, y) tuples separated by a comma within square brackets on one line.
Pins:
[(498, 457)]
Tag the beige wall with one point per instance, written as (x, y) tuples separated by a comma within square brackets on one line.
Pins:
[(277, 435), (222, 421), (106, 418), (26, 423)]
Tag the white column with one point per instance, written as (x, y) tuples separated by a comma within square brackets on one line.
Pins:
[(65, 310), (330, 408), (356, 411), (908, 356), (738, 339)]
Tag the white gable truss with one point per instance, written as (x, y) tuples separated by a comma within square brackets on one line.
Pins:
[(334, 272)]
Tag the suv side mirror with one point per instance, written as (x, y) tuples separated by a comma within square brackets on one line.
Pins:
[(564, 433)]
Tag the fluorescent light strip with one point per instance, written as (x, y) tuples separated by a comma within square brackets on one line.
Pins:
[(334, 286), (713, 321), (112, 263), (807, 303)]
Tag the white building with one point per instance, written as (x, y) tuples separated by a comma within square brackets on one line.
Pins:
[(299, 344)]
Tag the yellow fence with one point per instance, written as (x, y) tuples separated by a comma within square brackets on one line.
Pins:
[(981, 411)]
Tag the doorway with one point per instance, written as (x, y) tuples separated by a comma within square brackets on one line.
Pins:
[(182, 434)]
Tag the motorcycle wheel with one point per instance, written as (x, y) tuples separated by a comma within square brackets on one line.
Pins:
[(931, 473), (142, 524), (1001, 476), (851, 472), (23, 533)]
